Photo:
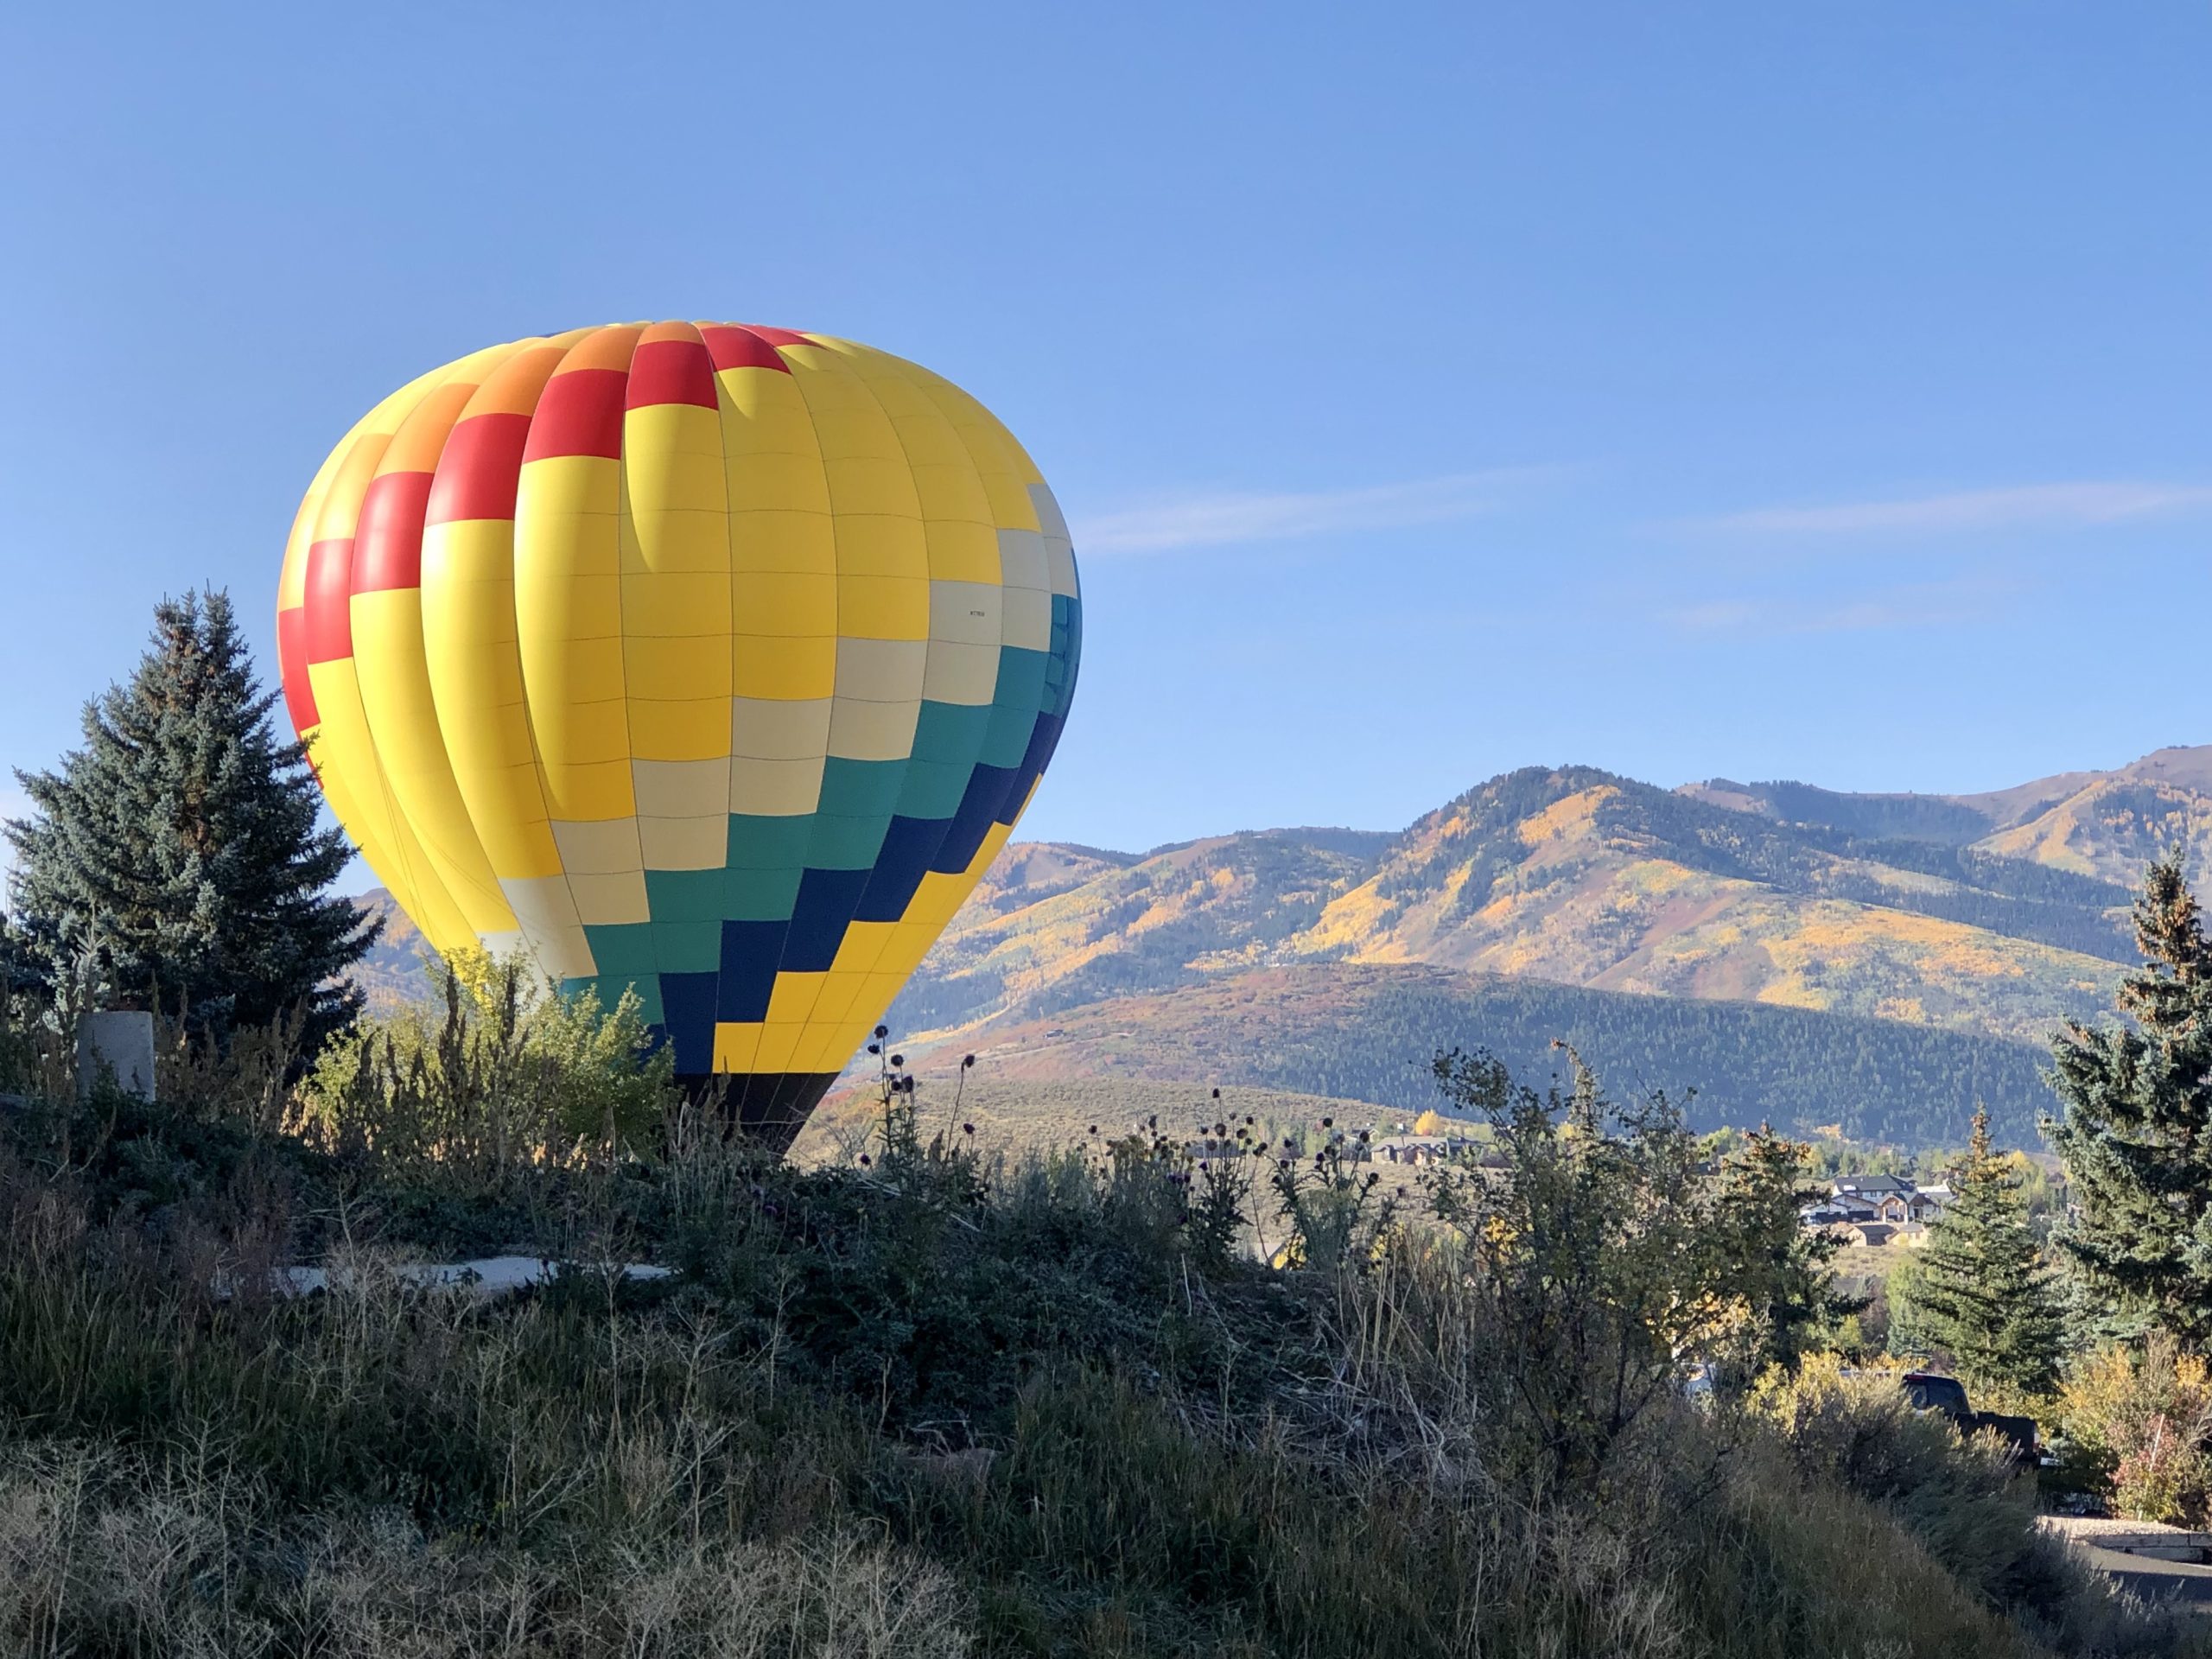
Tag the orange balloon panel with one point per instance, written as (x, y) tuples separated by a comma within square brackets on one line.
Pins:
[(712, 661)]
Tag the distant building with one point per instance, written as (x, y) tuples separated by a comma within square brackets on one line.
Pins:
[(1918, 1205), (1897, 1209), (1877, 1234), (1870, 1187), (1422, 1148), (1839, 1210)]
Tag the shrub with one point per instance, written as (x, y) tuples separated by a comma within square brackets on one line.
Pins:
[(507, 1075), (1611, 1265), (1335, 1210), (1964, 1500), (2141, 1418)]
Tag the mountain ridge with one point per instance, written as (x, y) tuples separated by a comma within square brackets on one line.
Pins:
[(1578, 876), (2002, 818)]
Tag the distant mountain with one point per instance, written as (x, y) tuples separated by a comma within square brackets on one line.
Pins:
[(1946, 820), (1576, 877), (394, 970), (1806, 955), (2106, 825), (1169, 918), (2117, 822)]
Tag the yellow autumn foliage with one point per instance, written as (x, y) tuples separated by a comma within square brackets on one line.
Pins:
[(1563, 817), (2144, 1414)]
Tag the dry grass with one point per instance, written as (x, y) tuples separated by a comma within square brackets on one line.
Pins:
[(1860, 1266), (101, 1553)]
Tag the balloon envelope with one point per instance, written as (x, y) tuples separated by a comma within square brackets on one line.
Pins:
[(715, 661)]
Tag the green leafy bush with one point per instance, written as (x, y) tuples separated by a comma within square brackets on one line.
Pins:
[(1608, 1264), (503, 1076), (2138, 1418)]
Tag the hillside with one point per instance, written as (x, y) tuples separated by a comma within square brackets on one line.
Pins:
[(1803, 955), (1363, 1033), (1212, 906), (1022, 1109), (2120, 821), (1582, 878), (392, 972)]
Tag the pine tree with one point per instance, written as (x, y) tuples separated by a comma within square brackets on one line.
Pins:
[(1780, 1269), (2135, 1133), (173, 862), (1979, 1290)]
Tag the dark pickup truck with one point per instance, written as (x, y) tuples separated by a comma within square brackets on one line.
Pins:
[(1932, 1391)]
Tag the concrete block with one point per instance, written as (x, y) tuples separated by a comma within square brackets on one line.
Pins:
[(121, 1040)]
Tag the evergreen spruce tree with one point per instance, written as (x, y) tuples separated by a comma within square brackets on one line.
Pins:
[(1782, 1270), (1979, 1290), (173, 862), (2135, 1133)]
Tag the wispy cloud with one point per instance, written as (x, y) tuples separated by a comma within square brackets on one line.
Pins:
[(1225, 519), (1908, 605), (2084, 502)]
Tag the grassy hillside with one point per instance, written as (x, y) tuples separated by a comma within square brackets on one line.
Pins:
[(1021, 1110), (921, 1405)]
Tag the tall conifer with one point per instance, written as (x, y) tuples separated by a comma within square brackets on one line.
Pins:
[(1978, 1289), (2135, 1133), (1783, 1270), (173, 862)]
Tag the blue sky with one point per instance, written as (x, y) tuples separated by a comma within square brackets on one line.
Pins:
[(1757, 389)]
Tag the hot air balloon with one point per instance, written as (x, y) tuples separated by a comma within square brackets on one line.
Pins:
[(715, 661)]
